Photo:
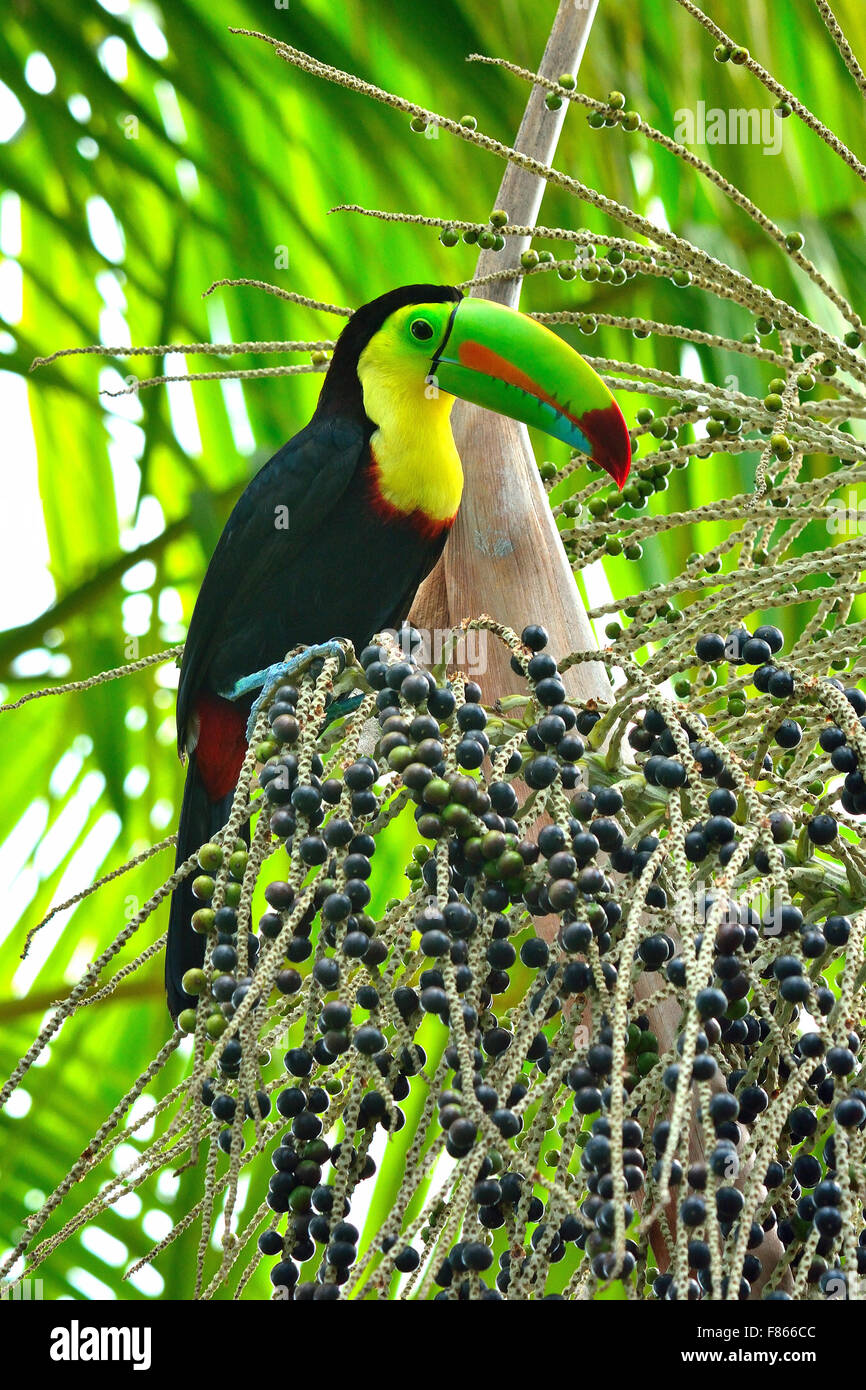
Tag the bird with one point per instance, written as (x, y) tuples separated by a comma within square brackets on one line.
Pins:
[(334, 534)]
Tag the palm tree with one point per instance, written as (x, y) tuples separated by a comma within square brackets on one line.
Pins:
[(145, 159)]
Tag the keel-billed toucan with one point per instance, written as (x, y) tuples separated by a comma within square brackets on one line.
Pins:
[(333, 536)]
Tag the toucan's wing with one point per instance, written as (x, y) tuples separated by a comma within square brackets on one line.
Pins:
[(283, 507)]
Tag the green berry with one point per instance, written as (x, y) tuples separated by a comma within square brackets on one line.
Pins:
[(210, 857), (631, 121), (449, 236), (722, 52), (399, 758), (795, 241), (567, 80), (238, 864), (616, 100), (498, 217), (782, 447), (194, 981), (203, 887), (737, 1009), (645, 1063)]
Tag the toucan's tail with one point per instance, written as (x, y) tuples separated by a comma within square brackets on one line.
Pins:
[(211, 778)]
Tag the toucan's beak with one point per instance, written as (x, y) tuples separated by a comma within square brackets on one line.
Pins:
[(510, 363)]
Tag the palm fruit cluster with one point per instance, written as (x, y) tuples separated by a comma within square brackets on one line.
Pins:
[(502, 1021)]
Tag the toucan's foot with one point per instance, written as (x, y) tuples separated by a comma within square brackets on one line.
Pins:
[(272, 676)]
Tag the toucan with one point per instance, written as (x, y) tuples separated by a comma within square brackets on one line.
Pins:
[(333, 536)]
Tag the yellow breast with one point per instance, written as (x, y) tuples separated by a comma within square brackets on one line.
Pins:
[(418, 464)]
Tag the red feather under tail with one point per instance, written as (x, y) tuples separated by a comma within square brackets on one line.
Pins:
[(221, 744)]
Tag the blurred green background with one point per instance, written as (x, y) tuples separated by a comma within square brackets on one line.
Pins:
[(145, 152)]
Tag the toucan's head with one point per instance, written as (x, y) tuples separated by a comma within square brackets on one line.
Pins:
[(423, 338)]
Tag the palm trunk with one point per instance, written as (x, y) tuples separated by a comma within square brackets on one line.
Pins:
[(504, 556)]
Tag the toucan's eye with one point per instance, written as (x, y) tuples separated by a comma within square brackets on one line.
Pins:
[(421, 329)]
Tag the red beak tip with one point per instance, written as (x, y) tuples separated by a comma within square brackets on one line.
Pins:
[(620, 472), (608, 433), (617, 466)]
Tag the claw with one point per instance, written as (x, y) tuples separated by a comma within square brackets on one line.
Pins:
[(273, 676)]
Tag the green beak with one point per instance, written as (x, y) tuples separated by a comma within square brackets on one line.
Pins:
[(505, 361)]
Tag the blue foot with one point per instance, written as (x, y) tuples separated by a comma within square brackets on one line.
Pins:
[(273, 676)]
